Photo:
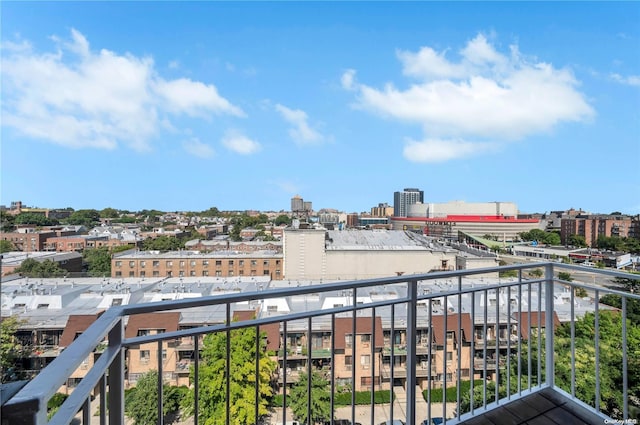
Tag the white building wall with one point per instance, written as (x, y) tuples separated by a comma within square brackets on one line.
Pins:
[(439, 210)]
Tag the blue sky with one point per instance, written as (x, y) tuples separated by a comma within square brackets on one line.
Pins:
[(185, 106)]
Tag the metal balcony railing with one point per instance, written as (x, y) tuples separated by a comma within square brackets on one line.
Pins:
[(523, 365)]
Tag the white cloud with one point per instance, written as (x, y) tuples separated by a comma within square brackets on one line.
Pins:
[(485, 95), (348, 78), (77, 97), (174, 64), (435, 150), (196, 148), (301, 132), (631, 80), (239, 143)]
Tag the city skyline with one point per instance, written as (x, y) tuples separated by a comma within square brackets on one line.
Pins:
[(185, 106)]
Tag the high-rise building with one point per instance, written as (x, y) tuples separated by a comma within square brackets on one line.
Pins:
[(297, 204), (405, 198)]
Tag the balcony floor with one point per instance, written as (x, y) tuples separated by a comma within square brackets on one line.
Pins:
[(543, 407)]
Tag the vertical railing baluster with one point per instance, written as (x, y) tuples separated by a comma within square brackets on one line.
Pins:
[(103, 400), (484, 349), (228, 366), (284, 373), (459, 348), (473, 352), (573, 342), (353, 356), (196, 379), (597, 343), (430, 358), (497, 352), (86, 411), (625, 378), (508, 363), (411, 350), (309, 368), (444, 359), (333, 366), (372, 361), (539, 356), (257, 371), (520, 337), (529, 345), (159, 383), (116, 376), (392, 362), (549, 368)]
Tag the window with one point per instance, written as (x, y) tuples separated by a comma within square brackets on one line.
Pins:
[(241, 273), (156, 264), (193, 263), (181, 273), (118, 263), (142, 274), (164, 354), (365, 361), (365, 339), (265, 263), (449, 357), (205, 272), (230, 272), (272, 308), (348, 341), (132, 263), (218, 263), (254, 262), (132, 273), (348, 362), (43, 306), (116, 301), (142, 264), (277, 272), (230, 263), (218, 273), (277, 262), (205, 263), (241, 263), (156, 273), (144, 355), (169, 263), (181, 263), (118, 274), (265, 272)]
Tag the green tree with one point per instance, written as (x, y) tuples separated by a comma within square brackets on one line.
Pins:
[(46, 268), (565, 276), (282, 219), (10, 349), (139, 401), (320, 399), (98, 261), (34, 219), (211, 212), (109, 213), (6, 246), (535, 273), (87, 218), (163, 243), (549, 238), (633, 307), (242, 378), (6, 222), (577, 240)]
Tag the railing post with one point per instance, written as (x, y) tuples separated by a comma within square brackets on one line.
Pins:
[(549, 323), (411, 351), (116, 377)]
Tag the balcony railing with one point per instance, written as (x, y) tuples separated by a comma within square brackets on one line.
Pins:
[(514, 367)]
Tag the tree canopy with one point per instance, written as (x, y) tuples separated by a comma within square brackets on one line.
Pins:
[(98, 261), (34, 219), (87, 218), (141, 401), (6, 222), (163, 243), (242, 378), (548, 238), (46, 268), (10, 349), (577, 240), (320, 399), (6, 246)]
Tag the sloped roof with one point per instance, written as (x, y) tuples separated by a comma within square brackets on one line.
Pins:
[(536, 319), (77, 323), (437, 324), (271, 330), (166, 321), (344, 326)]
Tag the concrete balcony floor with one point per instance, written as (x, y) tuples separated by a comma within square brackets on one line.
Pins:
[(544, 407)]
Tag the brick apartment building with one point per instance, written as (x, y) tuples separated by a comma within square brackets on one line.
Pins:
[(191, 263), (591, 227)]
